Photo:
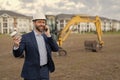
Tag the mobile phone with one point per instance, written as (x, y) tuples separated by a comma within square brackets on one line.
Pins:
[(45, 26), (14, 33), (46, 29)]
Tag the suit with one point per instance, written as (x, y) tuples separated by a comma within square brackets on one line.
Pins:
[(32, 62)]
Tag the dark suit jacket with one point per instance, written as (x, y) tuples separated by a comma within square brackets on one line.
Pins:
[(32, 62)]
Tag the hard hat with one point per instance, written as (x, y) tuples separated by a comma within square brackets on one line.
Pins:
[(39, 16)]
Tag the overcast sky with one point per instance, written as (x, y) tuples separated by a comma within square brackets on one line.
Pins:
[(104, 8)]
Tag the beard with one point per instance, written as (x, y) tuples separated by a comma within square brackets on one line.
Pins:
[(40, 28)]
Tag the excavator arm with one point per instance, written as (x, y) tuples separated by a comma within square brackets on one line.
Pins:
[(97, 23), (66, 30), (76, 20)]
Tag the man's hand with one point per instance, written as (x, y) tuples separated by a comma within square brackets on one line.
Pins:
[(48, 31), (16, 40)]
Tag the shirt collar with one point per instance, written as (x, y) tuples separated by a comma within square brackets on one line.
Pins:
[(36, 34)]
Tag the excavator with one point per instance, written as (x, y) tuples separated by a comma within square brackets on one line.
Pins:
[(89, 45)]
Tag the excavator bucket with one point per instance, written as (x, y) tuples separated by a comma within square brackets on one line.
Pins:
[(92, 45)]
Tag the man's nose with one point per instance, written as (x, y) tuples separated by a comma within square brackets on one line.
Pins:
[(43, 24)]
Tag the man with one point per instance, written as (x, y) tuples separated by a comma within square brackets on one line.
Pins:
[(37, 45)]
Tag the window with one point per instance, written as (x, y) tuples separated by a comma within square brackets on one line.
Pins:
[(5, 19), (5, 31), (67, 21), (61, 21), (61, 25), (4, 24)]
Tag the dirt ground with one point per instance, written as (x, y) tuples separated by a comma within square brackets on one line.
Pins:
[(77, 65)]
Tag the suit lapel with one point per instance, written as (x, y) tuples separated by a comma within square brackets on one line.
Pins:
[(34, 41), (45, 37)]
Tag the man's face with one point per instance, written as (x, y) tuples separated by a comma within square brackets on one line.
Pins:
[(39, 25)]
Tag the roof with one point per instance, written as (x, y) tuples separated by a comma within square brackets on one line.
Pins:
[(66, 16), (59, 16), (13, 14)]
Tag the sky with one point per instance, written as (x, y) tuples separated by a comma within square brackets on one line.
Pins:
[(103, 8)]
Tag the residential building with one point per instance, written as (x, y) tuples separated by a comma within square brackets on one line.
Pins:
[(106, 24), (10, 20)]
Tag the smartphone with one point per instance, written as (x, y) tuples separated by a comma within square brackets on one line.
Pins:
[(14, 33), (46, 29)]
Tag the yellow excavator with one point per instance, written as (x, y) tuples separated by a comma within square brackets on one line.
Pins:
[(91, 45)]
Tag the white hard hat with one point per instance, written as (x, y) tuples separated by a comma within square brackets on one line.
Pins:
[(39, 16)]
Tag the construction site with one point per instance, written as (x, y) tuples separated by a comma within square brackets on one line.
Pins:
[(78, 64), (89, 48)]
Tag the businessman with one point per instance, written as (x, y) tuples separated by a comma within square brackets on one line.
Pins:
[(37, 45)]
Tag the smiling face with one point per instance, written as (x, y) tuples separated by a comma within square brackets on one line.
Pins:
[(39, 25)]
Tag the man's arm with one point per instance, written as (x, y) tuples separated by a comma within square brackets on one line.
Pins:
[(19, 47), (53, 44), (51, 41)]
